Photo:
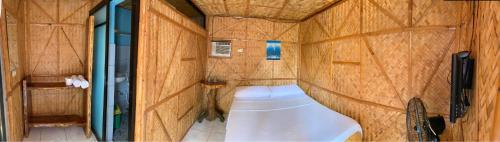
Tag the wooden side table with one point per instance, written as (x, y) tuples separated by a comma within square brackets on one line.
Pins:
[(212, 111)]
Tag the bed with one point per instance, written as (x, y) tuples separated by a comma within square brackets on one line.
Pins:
[(285, 113)]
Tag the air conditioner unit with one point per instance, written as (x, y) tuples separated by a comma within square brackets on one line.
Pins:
[(221, 49)]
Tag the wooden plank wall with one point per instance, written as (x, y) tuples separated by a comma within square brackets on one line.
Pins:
[(56, 46), (250, 67), (482, 28), (171, 64), (367, 58), (13, 47), (57, 36)]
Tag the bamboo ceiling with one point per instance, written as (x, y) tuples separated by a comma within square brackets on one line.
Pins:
[(275, 9)]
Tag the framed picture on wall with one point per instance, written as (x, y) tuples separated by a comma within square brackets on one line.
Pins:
[(273, 50)]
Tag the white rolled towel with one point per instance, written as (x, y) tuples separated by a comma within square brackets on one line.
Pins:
[(76, 81), (68, 81), (84, 83)]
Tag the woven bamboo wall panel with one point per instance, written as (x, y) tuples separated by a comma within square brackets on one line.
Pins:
[(250, 67), (385, 58), (276, 9), (161, 124), (377, 18), (55, 45), (15, 43), (16, 121), (372, 56), (488, 67), (63, 102), (470, 120), (341, 20), (376, 87), (57, 36), (426, 57), (435, 13), (480, 37), (13, 46), (171, 63)]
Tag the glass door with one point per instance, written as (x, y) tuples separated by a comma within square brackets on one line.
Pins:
[(112, 71), (98, 101)]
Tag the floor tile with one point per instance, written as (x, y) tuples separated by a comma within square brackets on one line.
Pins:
[(69, 134), (196, 136), (207, 131), (53, 134), (76, 134), (34, 135), (204, 125), (217, 136)]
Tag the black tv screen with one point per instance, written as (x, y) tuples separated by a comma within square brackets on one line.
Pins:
[(461, 78)]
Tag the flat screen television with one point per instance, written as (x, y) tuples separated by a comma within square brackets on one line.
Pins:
[(462, 67)]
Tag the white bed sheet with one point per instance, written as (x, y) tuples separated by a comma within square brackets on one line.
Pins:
[(291, 118), (252, 93)]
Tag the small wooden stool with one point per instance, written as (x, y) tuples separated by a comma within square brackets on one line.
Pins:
[(212, 111)]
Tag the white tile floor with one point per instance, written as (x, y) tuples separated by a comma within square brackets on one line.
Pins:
[(207, 131), (69, 134)]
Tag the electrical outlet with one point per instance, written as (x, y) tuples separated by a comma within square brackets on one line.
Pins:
[(240, 50)]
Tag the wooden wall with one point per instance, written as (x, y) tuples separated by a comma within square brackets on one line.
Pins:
[(171, 64), (50, 41), (56, 46), (52, 102), (13, 47), (488, 67), (250, 67), (57, 36), (482, 29), (367, 58)]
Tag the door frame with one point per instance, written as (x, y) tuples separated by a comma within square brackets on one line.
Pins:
[(3, 92), (134, 44), (133, 63), (91, 12)]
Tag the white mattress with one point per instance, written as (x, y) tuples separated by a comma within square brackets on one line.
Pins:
[(287, 118), (252, 93)]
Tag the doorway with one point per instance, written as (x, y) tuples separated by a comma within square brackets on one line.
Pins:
[(113, 71), (122, 35)]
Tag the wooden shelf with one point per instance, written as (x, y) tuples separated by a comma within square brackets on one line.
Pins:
[(213, 85), (56, 121), (54, 85), (48, 85)]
